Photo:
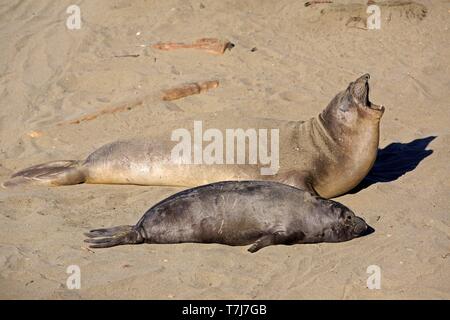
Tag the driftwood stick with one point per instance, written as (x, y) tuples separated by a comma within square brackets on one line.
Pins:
[(312, 2), (188, 90), (108, 110), (210, 45)]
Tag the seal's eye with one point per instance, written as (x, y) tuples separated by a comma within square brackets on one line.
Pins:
[(348, 217)]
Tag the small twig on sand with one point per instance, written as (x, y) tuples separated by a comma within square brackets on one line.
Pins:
[(210, 45), (127, 56), (120, 108), (188, 90), (310, 3)]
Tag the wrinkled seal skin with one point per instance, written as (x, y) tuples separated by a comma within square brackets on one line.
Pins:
[(261, 213), (327, 155)]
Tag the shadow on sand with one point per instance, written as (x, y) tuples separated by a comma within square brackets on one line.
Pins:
[(395, 160)]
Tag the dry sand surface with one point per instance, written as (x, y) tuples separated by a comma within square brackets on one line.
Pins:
[(303, 57)]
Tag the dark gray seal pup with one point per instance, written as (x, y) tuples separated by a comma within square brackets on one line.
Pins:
[(327, 155), (261, 213)]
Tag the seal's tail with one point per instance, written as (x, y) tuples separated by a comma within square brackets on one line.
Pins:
[(54, 173), (110, 237)]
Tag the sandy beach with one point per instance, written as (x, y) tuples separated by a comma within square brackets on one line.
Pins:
[(288, 62)]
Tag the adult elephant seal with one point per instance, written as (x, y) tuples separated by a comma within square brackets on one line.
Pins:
[(261, 213), (327, 155)]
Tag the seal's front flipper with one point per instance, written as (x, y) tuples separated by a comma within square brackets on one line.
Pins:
[(267, 240), (262, 242), (116, 236), (54, 173)]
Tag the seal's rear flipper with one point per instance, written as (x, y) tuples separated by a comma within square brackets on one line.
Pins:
[(54, 173), (108, 232), (116, 236)]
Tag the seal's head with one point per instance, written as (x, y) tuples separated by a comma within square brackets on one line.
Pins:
[(358, 91), (343, 224), (350, 107)]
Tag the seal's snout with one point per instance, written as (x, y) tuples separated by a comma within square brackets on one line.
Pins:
[(360, 90), (364, 78), (360, 93), (360, 227)]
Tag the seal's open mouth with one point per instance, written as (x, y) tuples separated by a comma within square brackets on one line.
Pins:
[(361, 93)]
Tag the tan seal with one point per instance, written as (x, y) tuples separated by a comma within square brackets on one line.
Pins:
[(327, 155)]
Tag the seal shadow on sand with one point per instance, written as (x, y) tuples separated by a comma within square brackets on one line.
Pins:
[(395, 160)]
